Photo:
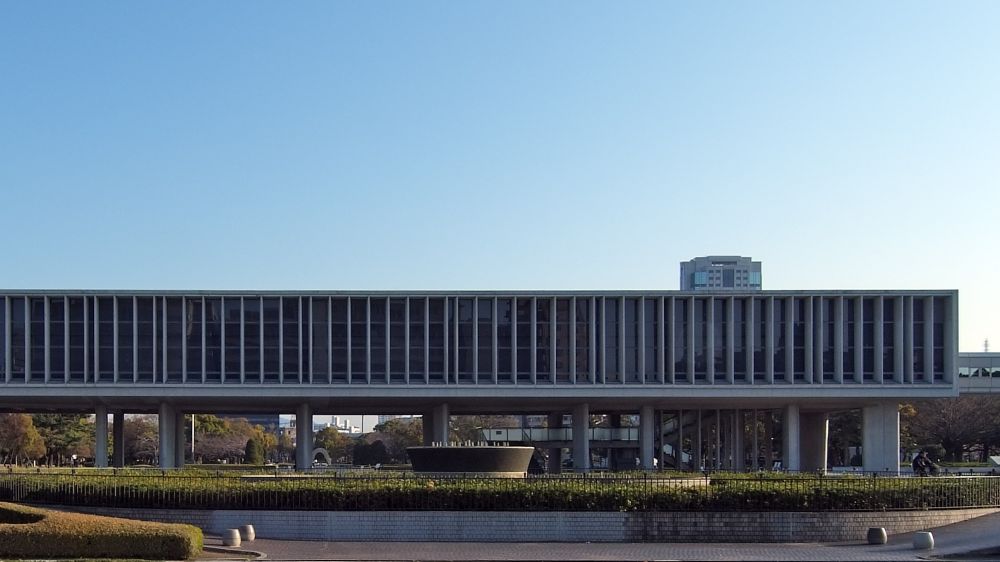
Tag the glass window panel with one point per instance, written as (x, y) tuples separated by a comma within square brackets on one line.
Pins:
[(504, 340), (720, 328), (193, 330), (147, 335), (582, 340), (379, 308), (57, 338), (359, 339), (291, 338), (681, 350), (612, 368), (320, 340), (252, 321), (126, 328), (213, 339), (338, 335), (543, 338), (232, 314), (175, 334)]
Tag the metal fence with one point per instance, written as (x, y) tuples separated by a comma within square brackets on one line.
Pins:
[(409, 492)]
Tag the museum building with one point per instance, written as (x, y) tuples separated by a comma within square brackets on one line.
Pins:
[(658, 355)]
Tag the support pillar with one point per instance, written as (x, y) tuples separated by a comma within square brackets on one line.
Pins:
[(180, 439), (581, 438), (880, 438), (303, 437), (554, 464), (790, 452), (167, 421), (646, 437), (439, 427), (101, 436), (118, 440), (815, 434)]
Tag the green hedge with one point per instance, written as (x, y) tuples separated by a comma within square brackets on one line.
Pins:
[(537, 494), (27, 532)]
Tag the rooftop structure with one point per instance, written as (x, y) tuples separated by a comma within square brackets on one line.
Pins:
[(721, 273)]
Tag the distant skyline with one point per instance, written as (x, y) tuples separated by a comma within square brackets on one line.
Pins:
[(481, 146)]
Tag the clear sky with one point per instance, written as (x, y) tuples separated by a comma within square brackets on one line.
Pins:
[(501, 145)]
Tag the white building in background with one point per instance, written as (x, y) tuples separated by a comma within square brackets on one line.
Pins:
[(721, 273), (709, 359)]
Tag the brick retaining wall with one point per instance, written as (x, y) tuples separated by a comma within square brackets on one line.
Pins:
[(558, 526)]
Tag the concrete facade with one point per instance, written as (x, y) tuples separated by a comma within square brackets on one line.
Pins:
[(712, 357)]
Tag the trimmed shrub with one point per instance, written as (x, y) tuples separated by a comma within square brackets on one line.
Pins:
[(27, 532)]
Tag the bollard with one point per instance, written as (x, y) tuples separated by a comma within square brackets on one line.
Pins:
[(923, 541), (231, 537), (247, 533), (877, 535)]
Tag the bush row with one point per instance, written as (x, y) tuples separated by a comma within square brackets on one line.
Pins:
[(543, 494), (27, 532)]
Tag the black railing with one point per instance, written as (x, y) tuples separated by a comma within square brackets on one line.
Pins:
[(409, 492)]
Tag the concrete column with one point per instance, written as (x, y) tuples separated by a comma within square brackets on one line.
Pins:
[(101, 436), (647, 437), (790, 451), (440, 424), (555, 454), (880, 438), (581, 438), (118, 445), (814, 434), (180, 439), (168, 435), (303, 437)]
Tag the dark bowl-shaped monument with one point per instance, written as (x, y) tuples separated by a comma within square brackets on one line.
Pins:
[(459, 459)]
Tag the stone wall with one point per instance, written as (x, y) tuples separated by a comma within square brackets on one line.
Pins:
[(558, 526)]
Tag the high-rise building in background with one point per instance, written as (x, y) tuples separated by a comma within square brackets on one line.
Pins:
[(720, 273)]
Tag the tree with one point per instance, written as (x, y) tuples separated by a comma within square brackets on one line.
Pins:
[(956, 424), (336, 443), (142, 440), (370, 454), (19, 439), (845, 432), (225, 439), (65, 435), (254, 452), (286, 448), (396, 435), (470, 428)]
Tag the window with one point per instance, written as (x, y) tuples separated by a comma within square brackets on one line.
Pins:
[(485, 339), (339, 330), (193, 331), (417, 334)]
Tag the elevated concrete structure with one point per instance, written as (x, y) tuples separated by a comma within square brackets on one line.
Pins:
[(709, 358)]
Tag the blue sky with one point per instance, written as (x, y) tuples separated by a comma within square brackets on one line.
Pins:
[(514, 145)]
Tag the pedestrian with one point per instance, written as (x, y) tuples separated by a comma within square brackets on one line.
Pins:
[(922, 465)]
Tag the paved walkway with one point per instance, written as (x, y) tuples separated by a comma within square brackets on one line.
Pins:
[(974, 535)]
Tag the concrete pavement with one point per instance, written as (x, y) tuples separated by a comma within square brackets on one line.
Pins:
[(953, 540)]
